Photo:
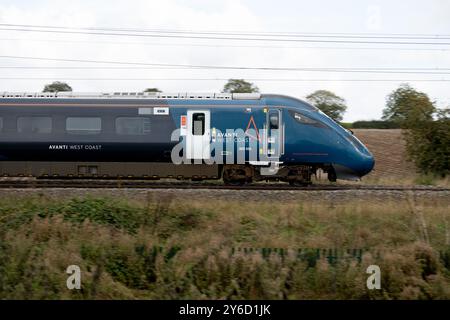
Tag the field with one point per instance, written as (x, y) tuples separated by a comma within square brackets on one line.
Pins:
[(388, 148), (391, 161), (165, 248)]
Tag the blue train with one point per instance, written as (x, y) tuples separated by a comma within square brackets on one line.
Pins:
[(235, 137)]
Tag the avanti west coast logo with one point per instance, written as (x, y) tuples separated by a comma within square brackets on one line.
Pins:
[(234, 146)]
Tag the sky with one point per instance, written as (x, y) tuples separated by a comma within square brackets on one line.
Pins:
[(365, 99)]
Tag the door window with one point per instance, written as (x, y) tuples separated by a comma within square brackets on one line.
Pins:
[(274, 120), (198, 124)]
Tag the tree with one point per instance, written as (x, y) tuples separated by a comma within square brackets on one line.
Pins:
[(331, 104), (57, 86), (426, 129), (428, 143), (408, 107), (239, 86), (152, 90)]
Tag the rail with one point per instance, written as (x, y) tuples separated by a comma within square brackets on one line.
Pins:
[(99, 184)]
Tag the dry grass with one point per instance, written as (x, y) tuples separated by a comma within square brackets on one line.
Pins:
[(114, 244), (392, 166), (388, 148)]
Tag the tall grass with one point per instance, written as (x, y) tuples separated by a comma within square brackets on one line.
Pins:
[(167, 249), (413, 179)]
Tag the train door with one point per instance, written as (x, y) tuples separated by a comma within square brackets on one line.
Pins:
[(198, 135), (274, 137)]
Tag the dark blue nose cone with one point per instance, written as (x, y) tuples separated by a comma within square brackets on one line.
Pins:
[(366, 164), (363, 159)]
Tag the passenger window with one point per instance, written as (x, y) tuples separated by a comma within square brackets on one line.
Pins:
[(1, 124), (84, 125), (34, 124), (198, 125), (132, 125)]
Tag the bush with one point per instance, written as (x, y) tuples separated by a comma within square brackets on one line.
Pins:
[(375, 124), (428, 144), (103, 211), (426, 129)]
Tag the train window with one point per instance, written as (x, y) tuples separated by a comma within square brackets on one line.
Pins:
[(198, 125), (34, 124), (84, 125), (132, 125), (274, 120), (301, 118), (1, 124)]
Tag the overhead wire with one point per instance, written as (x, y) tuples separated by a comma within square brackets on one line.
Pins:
[(229, 35), (222, 67), (222, 79), (240, 32), (218, 45), (203, 37)]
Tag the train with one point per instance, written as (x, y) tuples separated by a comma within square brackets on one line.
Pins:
[(237, 137)]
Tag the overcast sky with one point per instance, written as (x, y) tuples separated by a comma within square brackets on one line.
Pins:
[(365, 99)]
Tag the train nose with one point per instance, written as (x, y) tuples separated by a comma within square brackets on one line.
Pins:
[(366, 165), (364, 160)]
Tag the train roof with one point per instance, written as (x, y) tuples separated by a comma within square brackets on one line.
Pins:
[(175, 98), (132, 95)]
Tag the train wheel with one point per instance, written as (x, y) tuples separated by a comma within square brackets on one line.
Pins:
[(300, 176), (236, 175), (332, 175)]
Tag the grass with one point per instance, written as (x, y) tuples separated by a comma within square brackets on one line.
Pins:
[(413, 179), (166, 249)]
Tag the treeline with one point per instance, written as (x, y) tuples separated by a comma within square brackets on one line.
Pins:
[(371, 124)]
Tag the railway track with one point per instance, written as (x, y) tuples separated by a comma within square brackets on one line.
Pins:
[(145, 184)]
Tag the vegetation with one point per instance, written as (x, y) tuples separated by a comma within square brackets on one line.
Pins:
[(152, 90), (412, 179), (57, 86), (406, 105), (347, 125), (427, 129), (428, 144), (375, 124), (331, 104), (239, 86), (167, 249)]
